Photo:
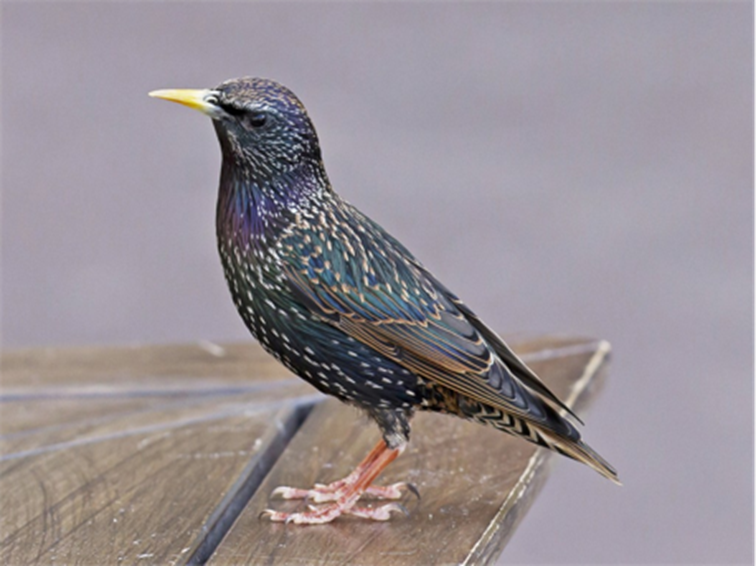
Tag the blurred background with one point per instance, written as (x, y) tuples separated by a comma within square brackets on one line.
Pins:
[(574, 168)]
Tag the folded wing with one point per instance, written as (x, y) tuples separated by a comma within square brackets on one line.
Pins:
[(364, 282)]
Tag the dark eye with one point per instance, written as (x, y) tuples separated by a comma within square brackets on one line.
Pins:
[(257, 119)]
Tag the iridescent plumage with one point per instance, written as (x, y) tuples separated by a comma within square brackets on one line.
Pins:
[(347, 307)]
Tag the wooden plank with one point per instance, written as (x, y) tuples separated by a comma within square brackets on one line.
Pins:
[(122, 499), (476, 483), (103, 369), (125, 455)]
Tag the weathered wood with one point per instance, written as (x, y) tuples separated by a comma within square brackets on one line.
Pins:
[(476, 483), (103, 369), (147, 454), (125, 456)]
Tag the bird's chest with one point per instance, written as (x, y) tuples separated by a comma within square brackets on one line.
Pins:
[(258, 289)]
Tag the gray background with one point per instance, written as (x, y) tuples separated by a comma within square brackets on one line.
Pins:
[(572, 168)]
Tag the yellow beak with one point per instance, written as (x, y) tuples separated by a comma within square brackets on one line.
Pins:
[(199, 99)]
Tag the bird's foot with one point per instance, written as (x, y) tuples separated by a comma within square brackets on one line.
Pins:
[(341, 496), (322, 493), (329, 512)]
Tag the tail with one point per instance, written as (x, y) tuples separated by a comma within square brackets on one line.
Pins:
[(578, 450)]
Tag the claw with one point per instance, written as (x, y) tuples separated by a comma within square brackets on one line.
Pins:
[(274, 515), (398, 507), (411, 488)]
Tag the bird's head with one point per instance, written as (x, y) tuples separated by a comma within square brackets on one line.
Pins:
[(262, 126)]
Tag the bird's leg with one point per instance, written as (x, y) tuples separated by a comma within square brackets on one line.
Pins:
[(322, 493), (346, 493)]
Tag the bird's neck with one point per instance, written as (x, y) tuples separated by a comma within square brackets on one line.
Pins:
[(253, 209)]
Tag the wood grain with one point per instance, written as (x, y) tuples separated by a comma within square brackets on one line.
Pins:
[(133, 455), (165, 368)]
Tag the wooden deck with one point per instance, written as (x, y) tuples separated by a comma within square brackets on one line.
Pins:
[(167, 455)]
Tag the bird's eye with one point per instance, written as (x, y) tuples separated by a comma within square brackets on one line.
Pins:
[(257, 119)]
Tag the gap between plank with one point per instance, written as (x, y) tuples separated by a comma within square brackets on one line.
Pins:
[(234, 502)]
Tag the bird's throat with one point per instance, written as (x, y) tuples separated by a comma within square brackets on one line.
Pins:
[(253, 209)]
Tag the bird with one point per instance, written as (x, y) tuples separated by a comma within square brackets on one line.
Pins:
[(347, 307)]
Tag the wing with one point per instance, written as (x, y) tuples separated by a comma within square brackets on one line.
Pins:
[(350, 272), (510, 359)]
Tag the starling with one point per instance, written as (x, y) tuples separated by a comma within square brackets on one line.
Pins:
[(345, 306)]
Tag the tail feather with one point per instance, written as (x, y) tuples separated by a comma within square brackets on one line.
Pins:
[(580, 451)]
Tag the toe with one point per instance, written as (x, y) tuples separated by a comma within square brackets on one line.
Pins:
[(382, 513)]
